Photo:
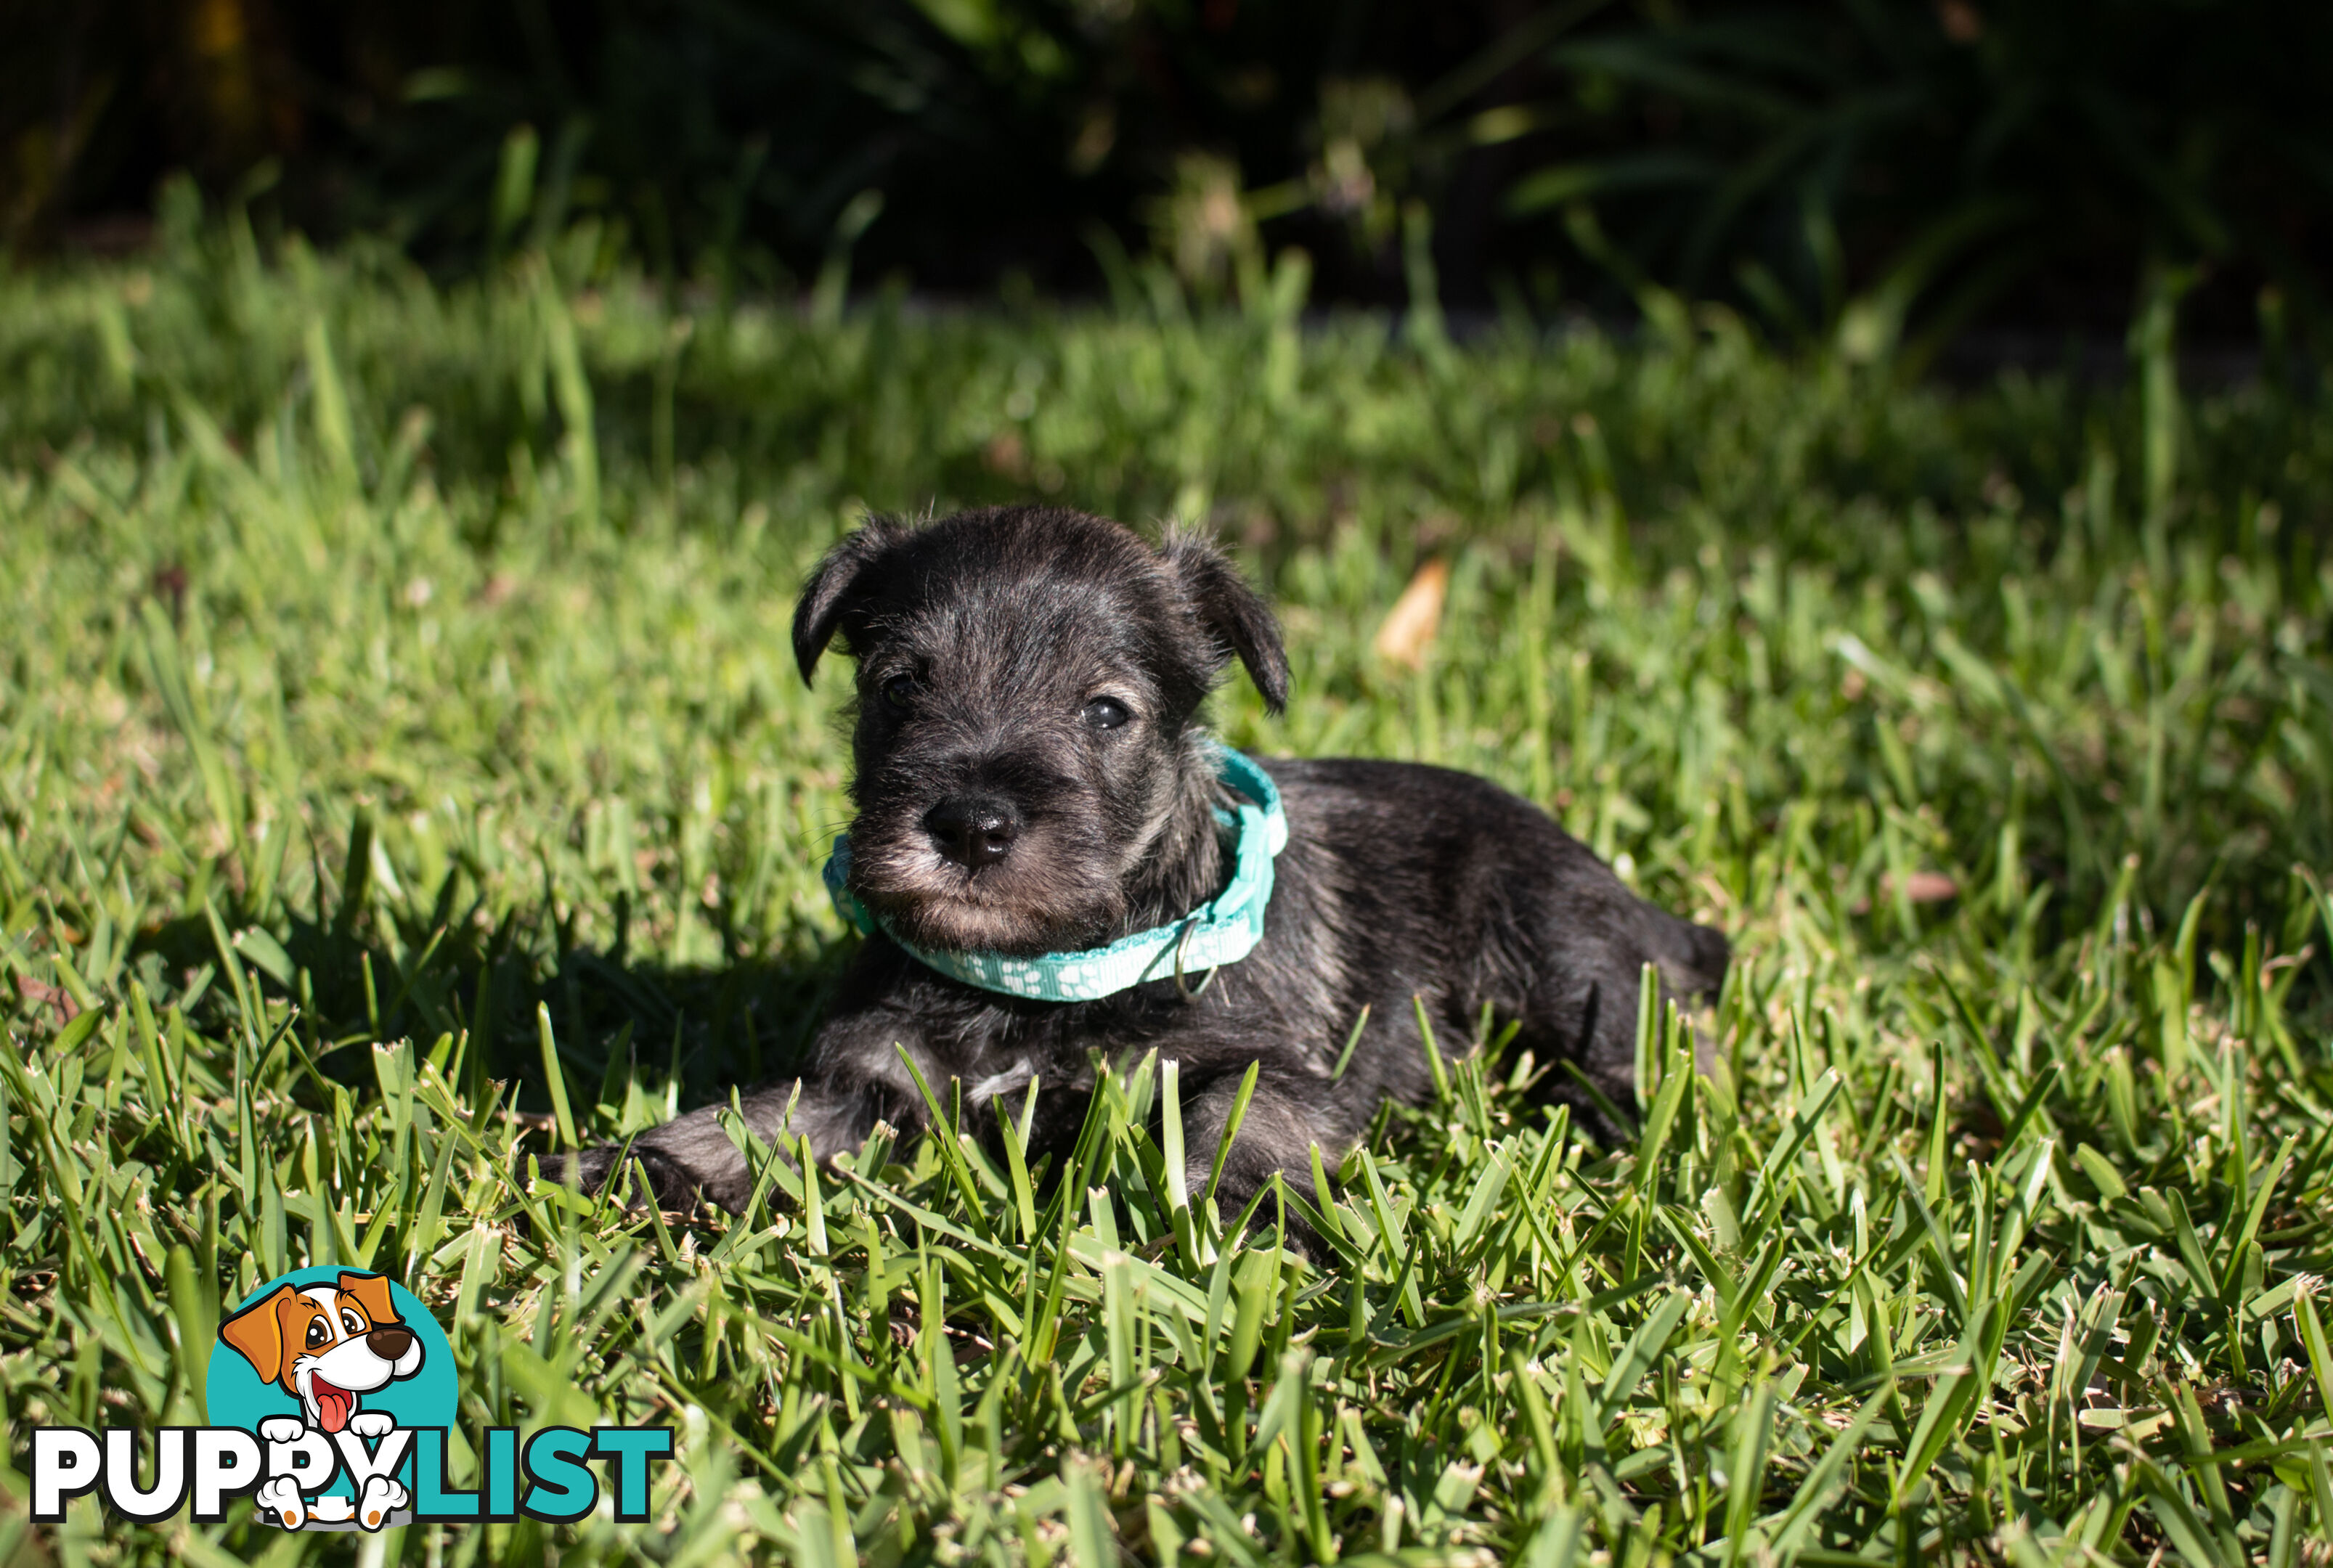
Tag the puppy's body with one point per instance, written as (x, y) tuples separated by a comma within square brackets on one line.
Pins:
[(1030, 777)]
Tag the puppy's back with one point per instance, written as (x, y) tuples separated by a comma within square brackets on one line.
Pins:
[(1461, 892)]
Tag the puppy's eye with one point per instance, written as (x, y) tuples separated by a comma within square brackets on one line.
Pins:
[(317, 1332), (1106, 713), (900, 693), (351, 1322)]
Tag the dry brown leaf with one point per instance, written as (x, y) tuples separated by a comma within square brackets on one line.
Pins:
[(1930, 887), (1919, 887), (1411, 625), (1007, 455), (48, 996), (1962, 23)]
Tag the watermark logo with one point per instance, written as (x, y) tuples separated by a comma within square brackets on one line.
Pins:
[(337, 1374), (331, 1397)]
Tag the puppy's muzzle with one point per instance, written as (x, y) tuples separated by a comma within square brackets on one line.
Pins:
[(390, 1344), (973, 830)]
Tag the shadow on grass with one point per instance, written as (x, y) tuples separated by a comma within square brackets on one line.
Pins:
[(628, 1026)]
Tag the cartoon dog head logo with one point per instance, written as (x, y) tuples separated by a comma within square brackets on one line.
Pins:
[(326, 1346), (337, 1372)]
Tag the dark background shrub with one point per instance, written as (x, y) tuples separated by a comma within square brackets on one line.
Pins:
[(1854, 171)]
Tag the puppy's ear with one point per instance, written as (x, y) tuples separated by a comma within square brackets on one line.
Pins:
[(255, 1335), (1233, 613), (372, 1291), (851, 572)]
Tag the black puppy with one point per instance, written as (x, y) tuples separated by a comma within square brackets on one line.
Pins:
[(1032, 779)]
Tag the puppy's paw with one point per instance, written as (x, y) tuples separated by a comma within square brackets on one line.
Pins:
[(281, 1430), (1232, 1195), (372, 1424), (655, 1178), (279, 1499), (381, 1497)]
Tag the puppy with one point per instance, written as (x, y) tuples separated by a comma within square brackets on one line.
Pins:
[(1032, 779)]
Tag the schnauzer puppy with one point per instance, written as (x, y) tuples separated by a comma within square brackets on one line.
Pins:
[(1032, 779)]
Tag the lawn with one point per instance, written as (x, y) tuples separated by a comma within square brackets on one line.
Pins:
[(396, 726)]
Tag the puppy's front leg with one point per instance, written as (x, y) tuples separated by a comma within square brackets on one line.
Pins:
[(1276, 1136), (855, 1079), (692, 1157)]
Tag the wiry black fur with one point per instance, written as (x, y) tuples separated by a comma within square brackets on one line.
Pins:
[(1398, 880)]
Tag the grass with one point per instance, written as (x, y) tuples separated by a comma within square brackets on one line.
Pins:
[(396, 713)]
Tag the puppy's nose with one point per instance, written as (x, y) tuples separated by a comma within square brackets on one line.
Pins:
[(973, 830), (388, 1344)]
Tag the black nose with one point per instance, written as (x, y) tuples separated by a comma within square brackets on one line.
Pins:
[(388, 1344), (973, 830)]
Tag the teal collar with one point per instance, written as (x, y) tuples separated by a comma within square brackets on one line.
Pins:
[(1225, 929)]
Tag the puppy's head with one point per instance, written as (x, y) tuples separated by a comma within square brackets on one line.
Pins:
[(325, 1344), (1029, 680)]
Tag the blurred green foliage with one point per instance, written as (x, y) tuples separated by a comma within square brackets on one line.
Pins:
[(1843, 167), (1854, 172)]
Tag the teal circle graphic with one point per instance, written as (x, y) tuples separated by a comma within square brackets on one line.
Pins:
[(235, 1395)]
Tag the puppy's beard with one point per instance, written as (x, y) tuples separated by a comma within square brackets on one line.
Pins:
[(1038, 900)]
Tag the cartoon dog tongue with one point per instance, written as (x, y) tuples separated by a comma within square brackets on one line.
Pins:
[(333, 1405)]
